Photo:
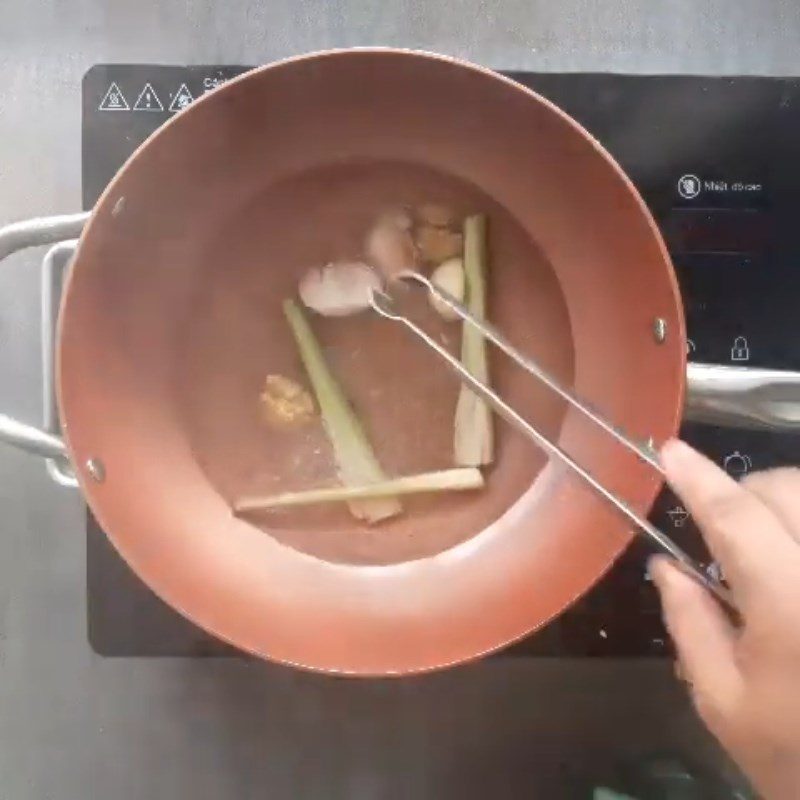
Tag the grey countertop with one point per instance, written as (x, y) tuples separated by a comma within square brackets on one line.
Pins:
[(73, 725)]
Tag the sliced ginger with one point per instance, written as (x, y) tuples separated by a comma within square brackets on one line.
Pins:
[(285, 403)]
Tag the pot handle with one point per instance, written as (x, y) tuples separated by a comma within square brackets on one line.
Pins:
[(15, 237), (743, 397)]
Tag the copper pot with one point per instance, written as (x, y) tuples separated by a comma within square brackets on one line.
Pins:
[(171, 319)]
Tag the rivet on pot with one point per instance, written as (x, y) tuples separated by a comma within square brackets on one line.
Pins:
[(96, 469), (648, 448), (659, 329)]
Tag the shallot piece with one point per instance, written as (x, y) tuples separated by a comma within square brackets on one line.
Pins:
[(400, 217), (436, 244), (450, 277), (339, 289), (439, 216), (390, 245)]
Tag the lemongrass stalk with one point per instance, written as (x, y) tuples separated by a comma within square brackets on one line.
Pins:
[(449, 480), (474, 430), (356, 462)]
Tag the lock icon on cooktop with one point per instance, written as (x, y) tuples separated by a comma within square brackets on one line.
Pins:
[(740, 350)]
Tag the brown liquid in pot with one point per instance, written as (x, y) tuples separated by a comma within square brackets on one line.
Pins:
[(402, 392)]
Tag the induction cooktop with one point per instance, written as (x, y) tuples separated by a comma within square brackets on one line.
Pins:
[(718, 162)]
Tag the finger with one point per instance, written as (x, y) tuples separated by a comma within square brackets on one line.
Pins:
[(703, 636), (779, 490), (740, 530)]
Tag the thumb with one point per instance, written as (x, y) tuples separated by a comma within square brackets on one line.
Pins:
[(704, 638)]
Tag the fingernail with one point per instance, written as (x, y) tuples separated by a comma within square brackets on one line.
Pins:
[(656, 567), (665, 572), (678, 458), (674, 451)]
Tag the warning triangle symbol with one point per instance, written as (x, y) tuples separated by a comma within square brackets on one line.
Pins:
[(183, 97), (114, 100), (148, 100)]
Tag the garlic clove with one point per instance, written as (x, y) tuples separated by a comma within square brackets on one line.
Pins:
[(449, 276), (339, 289)]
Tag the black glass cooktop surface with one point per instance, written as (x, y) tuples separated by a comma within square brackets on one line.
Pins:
[(718, 162)]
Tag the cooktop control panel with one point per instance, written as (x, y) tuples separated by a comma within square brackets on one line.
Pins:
[(718, 162)]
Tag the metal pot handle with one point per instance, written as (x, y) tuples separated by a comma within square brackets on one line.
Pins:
[(743, 397), (18, 236)]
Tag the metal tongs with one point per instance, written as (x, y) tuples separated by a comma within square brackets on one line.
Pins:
[(384, 304)]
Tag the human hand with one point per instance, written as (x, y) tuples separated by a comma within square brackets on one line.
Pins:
[(745, 679)]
